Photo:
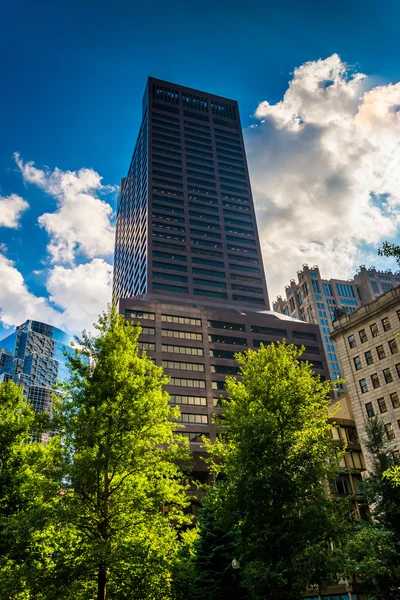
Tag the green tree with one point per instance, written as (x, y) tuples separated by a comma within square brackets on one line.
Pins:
[(390, 250), (214, 549), (375, 550), (29, 488), (122, 502), (276, 456)]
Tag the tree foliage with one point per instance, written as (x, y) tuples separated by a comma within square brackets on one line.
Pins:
[(275, 456), (99, 511), (390, 250), (374, 551)]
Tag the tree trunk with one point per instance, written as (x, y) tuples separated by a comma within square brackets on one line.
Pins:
[(102, 583)]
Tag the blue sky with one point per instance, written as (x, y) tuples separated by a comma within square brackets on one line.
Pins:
[(73, 76)]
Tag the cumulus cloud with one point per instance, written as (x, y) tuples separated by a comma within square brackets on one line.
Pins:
[(17, 303), (82, 223), (11, 209), (324, 165), (77, 295), (81, 292)]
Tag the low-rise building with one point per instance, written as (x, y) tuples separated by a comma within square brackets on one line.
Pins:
[(367, 343)]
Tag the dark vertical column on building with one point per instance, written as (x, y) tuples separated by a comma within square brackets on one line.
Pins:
[(201, 236)]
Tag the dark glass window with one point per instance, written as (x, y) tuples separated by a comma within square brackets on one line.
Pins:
[(374, 330), (398, 369), (382, 405), (210, 293), (182, 278), (210, 263), (246, 299), (389, 431), (370, 410), (226, 325), (394, 397), (386, 324), (209, 283), (304, 335), (270, 331), (208, 273), (352, 341), (247, 288), (244, 268), (380, 352), (363, 386), (209, 234), (206, 243), (363, 336), (222, 354), (224, 370), (393, 346), (170, 255), (172, 266), (387, 375), (375, 381), (225, 339), (368, 357), (170, 288), (357, 363)]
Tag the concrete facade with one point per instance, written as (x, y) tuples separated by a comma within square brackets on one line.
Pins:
[(315, 300), (367, 344)]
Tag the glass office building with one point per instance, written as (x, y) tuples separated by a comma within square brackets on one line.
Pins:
[(34, 355)]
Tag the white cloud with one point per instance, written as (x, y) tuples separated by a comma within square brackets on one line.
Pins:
[(17, 303), (325, 164), (81, 292), (82, 223), (77, 295), (11, 209)]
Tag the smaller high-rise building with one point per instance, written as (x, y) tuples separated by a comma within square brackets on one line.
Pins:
[(316, 300), (367, 343), (34, 356)]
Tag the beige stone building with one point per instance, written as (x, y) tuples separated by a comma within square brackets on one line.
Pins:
[(367, 343)]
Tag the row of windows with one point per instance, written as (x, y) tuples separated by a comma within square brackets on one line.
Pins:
[(193, 418), (192, 400), (374, 332), (183, 366), (139, 314), (170, 277), (387, 374), (183, 350), (190, 383), (380, 352), (171, 266), (170, 288), (182, 335), (148, 346), (181, 320), (394, 399)]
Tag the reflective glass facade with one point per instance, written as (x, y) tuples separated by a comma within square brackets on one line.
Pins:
[(34, 356)]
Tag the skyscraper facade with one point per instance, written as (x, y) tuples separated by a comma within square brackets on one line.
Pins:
[(34, 356), (188, 263), (186, 225)]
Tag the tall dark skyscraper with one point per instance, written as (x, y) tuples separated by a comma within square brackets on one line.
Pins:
[(186, 226), (188, 262)]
